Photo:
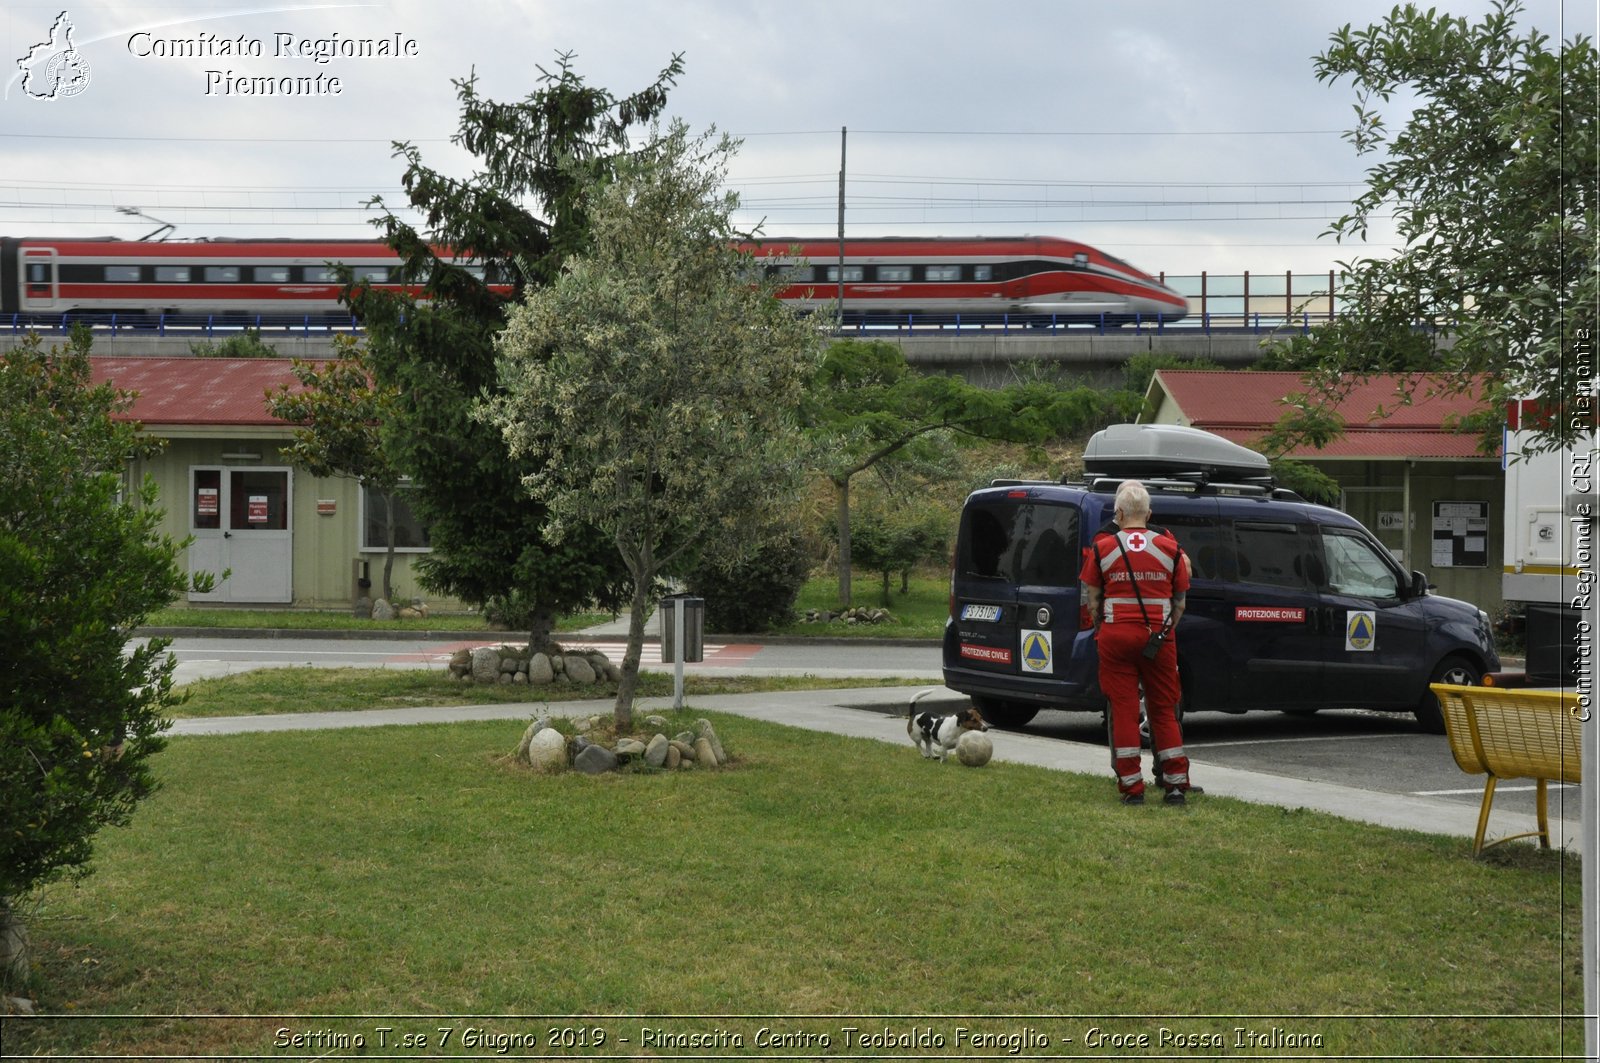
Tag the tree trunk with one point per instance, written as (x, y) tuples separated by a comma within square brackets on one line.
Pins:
[(13, 947), (388, 557), (842, 490), (622, 712), (541, 629)]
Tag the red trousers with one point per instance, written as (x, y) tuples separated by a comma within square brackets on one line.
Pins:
[(1123, 667)]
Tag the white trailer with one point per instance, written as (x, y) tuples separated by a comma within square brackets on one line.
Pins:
[(1550, 547)]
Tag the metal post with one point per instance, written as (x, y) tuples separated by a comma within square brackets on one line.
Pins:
[(844, 133), (677, 655)]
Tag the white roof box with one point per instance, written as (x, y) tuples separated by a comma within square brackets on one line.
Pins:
[(1164, 450)]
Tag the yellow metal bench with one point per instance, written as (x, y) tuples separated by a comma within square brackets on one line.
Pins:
[(1508, 733)]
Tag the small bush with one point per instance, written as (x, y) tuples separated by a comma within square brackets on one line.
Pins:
[(757, 593)]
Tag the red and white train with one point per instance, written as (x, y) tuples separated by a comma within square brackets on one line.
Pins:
[(882, 276)]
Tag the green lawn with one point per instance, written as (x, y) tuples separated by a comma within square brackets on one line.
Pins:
[(285, 690), (919, 613), (411, 871), (341, 620)]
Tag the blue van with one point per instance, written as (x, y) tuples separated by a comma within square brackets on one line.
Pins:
[(1293, 607)]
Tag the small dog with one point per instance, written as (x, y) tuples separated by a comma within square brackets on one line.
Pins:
[(936, 735)]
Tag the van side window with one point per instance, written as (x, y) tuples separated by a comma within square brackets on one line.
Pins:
[(1022, 544), (1273, 555), (1355, 568), (1201, 540)]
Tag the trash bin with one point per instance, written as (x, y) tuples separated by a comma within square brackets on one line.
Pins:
[(694, 624)]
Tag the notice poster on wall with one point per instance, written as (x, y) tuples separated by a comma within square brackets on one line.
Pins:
[(206, 502), (256, 512), (1460, 534)]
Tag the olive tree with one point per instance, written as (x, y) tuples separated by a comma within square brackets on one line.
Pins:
[(653, 383)]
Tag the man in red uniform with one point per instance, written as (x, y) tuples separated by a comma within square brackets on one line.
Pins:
[(1135, 583)]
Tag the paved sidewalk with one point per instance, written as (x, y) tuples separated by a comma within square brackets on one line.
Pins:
[(879, 713)]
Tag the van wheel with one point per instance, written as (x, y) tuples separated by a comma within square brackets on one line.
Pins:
[(1456, 670), (1007, 715)]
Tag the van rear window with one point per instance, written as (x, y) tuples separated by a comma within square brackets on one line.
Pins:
[(1033, 544)]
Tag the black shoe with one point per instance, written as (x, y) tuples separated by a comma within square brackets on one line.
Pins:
[(1133, 799), (1180, 797)]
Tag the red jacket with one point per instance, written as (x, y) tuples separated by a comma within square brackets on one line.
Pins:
[(1155, 560)]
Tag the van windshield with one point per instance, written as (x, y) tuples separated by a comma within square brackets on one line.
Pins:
[(1029, 543)]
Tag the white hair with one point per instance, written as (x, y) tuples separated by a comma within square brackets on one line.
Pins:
[(1133, 500)]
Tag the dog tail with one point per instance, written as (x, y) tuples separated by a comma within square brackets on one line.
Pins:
[(911, 709)]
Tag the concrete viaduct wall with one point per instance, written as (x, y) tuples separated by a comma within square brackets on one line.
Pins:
[(983, 357)]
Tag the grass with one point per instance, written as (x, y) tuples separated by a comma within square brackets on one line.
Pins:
[(288, 690), (340, 620), (412, 871), (919, 612)]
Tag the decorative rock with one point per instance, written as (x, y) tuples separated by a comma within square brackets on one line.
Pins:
[(520, 677), (558, 662), (547, 750), (508, 662), (704, 754), (686, 737), (674, 758), (595, 760), (362, 609), (580, 743), (382, 610), (658, 722), (684, 749), (539, 671), (630, 747), (974, 749), (505, 678), (580, 671), (706, 732), (485, 664), (461, 663), (655, 754)]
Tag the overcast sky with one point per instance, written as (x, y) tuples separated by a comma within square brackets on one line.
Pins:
[(1182, 136)]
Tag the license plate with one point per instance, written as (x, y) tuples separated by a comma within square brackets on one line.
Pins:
[(990, 613)]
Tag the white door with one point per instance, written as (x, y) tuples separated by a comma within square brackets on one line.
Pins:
[(240, 520)]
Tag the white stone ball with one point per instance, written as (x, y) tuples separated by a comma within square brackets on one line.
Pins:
[(974, 749)]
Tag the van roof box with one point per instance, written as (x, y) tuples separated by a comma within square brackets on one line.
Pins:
[(1132, 451)]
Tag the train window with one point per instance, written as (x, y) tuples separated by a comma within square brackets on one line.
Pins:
[(943, 273), (894, 273), (375, 274), (322, 275), (791, 274), (173, 274), (38, 273), (221, 274), (270, 274), (122, 274), (983, 273), (852, 274)]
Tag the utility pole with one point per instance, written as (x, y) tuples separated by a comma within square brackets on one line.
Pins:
[(844, 133)]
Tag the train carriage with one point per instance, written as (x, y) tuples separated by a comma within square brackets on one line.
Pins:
[(883, 276)]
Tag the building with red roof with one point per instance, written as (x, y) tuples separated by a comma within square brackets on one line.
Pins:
[(1425, 489), (281, 535)]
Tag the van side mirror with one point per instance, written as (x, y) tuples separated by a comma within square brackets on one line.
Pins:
[(1419, 584)]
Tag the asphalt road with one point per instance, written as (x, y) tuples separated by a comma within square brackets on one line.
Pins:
[(1373, 751)]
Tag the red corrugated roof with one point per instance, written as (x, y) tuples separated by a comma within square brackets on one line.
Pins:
[(198, 391), (1243, 405)]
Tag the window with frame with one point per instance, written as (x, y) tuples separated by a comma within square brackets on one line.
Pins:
[(942, 273), (270, 274), (375, 274), (321, 275), (173, 274), (221, 274), (409, 531), (1272, 555), (122, 274), (852, 274), (895, 274), (983, 273), (1355, 568)]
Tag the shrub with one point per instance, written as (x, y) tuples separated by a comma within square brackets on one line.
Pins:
[(757, 592)]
